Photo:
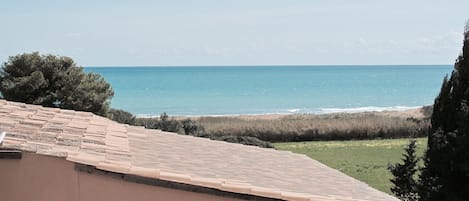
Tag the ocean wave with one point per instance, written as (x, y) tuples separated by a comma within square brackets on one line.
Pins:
[(366, 109)]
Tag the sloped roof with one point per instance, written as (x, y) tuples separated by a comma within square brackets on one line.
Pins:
[(88, 139)]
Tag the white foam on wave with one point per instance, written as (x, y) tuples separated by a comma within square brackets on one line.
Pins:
[(366, 109), (295, 110)]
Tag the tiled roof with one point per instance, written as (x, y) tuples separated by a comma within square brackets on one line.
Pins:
[(88, 139)]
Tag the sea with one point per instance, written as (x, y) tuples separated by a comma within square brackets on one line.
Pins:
[(252, 90)]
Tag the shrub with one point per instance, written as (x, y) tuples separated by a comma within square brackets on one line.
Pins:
[(149, 123), (121, 116), (192, 128), (169, 124), (164, 123)]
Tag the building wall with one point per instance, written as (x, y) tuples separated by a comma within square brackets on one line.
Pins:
[(44, 178)]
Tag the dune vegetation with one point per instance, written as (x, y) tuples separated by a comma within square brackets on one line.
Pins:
[(341, 126)]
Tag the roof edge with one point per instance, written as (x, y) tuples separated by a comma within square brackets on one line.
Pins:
[(170, 184)]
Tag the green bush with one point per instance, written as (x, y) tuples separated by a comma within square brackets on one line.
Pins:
[(121, 116), (169, 124), (192, 128), (150, 123), (164, 123)]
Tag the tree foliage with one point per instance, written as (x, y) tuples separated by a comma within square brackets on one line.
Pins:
[(53, 81), (445, 176), (405, 184)]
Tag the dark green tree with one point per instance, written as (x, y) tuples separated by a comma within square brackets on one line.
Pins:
[(404, 181), (445, 176), (53, 81)]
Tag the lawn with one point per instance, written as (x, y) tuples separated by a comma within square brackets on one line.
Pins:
[(365, 160)]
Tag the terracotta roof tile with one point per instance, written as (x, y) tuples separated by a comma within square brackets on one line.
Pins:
[(85, 138)]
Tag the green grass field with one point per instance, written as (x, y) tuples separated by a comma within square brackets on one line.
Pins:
[(365, 160)]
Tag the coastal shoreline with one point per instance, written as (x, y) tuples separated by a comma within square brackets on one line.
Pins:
[(305, 127), (415, 112)]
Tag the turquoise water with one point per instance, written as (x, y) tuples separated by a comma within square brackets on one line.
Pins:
[(271, 89)]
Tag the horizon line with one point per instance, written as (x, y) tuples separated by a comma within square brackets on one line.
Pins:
[(262, 65)]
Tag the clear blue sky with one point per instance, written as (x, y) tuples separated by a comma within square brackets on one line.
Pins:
[(236, 32)]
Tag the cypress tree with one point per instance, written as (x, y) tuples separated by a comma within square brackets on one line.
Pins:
[(445, 176)]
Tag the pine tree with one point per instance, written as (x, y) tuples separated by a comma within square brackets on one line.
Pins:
[(405, 185), (445, 176), (53, 81)]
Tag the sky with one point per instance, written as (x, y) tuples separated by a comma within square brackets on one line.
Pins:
[(236, 32)]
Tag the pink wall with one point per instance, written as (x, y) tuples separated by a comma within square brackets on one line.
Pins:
[(43, 178)]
